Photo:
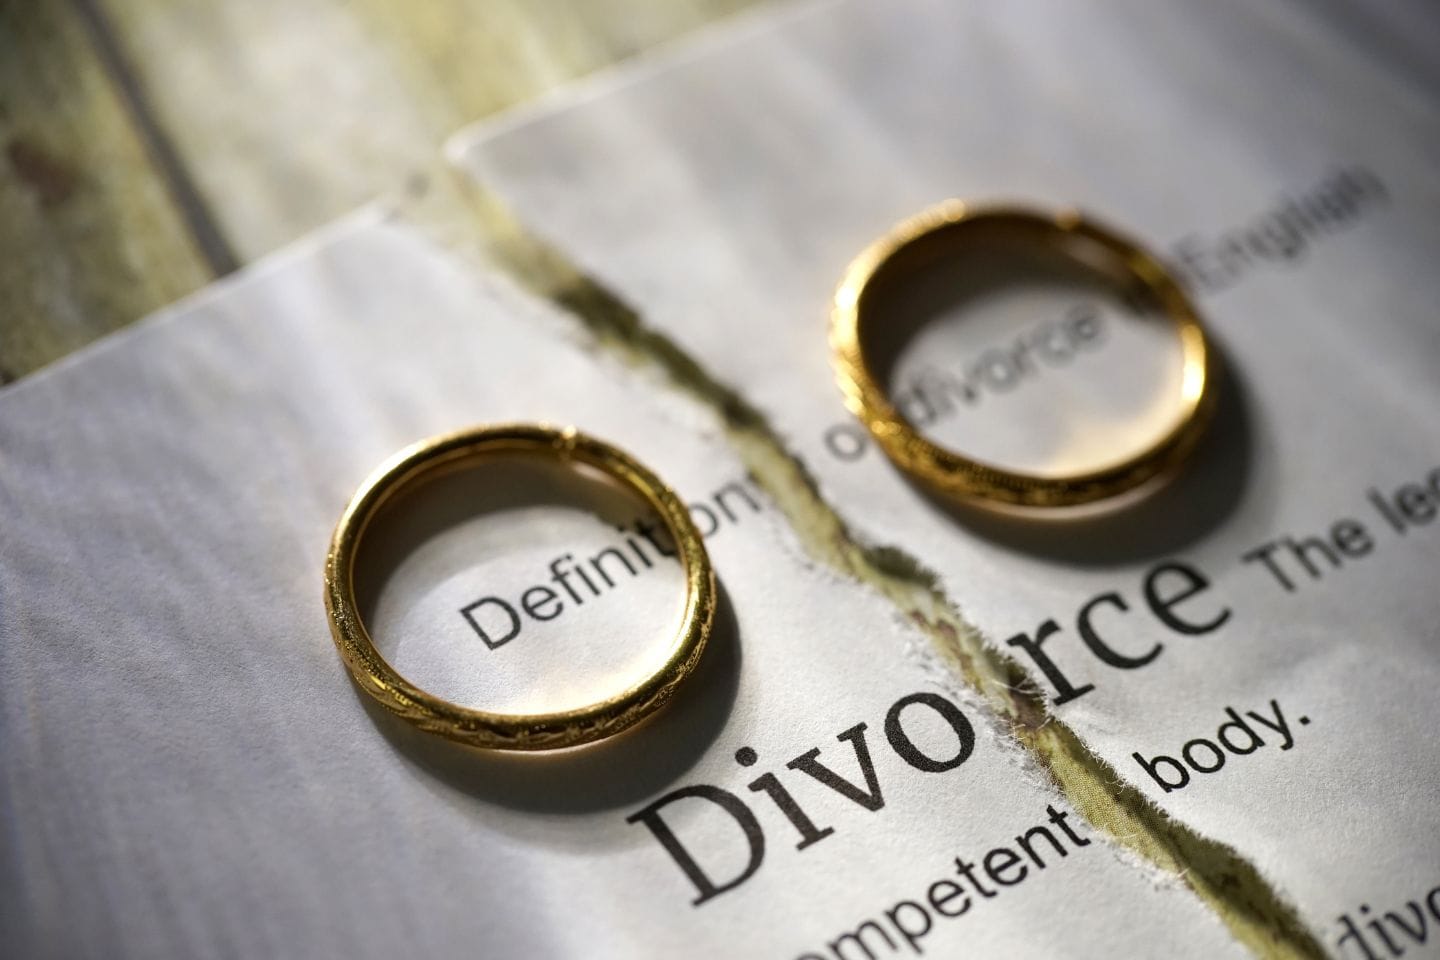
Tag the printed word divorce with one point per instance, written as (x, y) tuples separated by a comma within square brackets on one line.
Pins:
[(1375, 934), (933, 394), (1172, 593), (926, 731)]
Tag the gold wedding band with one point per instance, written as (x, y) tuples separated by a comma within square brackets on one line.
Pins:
[(948, 230), (479, 728)]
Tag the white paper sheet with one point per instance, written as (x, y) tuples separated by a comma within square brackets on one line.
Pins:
[(190, 772), (721, 191)]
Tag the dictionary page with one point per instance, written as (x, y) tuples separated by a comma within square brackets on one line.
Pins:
[(189, 770), (1256, 647)]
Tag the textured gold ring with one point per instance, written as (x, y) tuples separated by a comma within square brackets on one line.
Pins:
[(951, 229), (501, 731)]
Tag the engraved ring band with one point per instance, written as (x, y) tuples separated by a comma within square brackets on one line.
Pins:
[(498, 731), (950, 231)]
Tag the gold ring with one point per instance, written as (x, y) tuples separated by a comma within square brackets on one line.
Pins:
[(948, 229), (547, 731)]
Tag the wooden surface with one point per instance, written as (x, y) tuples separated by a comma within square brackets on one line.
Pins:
[(153, 145)]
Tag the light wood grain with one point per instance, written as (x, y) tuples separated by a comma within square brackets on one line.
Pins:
[(290, 112), (250, 122), (90, 233)]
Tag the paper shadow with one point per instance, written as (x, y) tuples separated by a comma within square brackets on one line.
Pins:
[(614, 773), (1162, 519)]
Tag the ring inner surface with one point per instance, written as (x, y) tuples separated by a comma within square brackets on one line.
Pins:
[(519, 584), (1020, 346)]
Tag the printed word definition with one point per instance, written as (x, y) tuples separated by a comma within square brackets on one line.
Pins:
[(573, 581)]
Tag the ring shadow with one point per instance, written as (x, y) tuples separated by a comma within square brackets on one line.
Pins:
[(1167, 515), (612, 773), (1161, 517)]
